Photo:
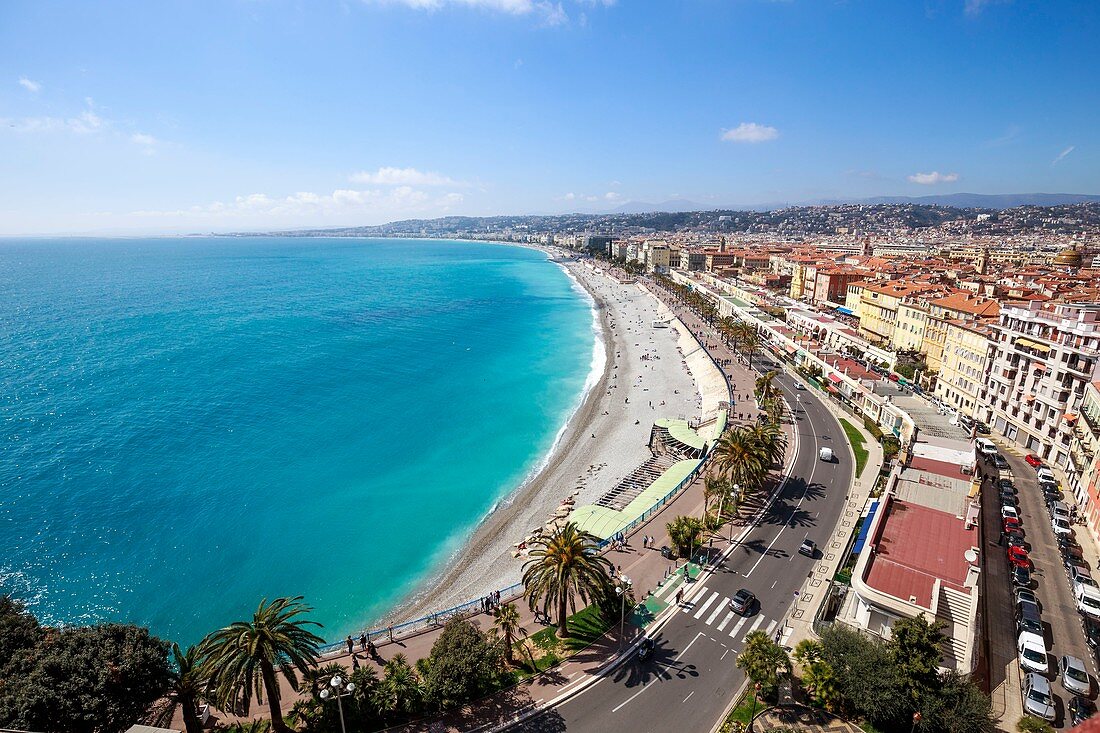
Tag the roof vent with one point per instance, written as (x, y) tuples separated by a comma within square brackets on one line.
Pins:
[(913, 599)]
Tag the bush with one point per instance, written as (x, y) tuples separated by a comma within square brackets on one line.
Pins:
[(1031, 724), (463, 664)]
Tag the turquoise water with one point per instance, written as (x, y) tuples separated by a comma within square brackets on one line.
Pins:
[(190, 425)]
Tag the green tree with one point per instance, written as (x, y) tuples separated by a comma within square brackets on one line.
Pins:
[(686, 533), (190, 679), (462, 665), (1031, 724), (956, 705), (817, 676), (764, 662), (399, 692), (506, 621), (915, 648), (739, 458), (19, 630), (85, 679), (563, 567), (248, 655), (855, 659)]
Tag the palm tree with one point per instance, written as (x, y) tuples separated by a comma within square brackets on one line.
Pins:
[(686, 534), (400, 690), (317, 678), (764, 661), (714, 487), (506, 619), (817, 676), (563, 567), (739, 457), (771, 440), (190, 680), (765, 390), (247, 654)]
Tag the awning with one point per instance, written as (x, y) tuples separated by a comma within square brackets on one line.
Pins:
[(1070, 417), (832, 390), (845, 311), (790, 349), (835, 379), (861, 539), (1033, 345)]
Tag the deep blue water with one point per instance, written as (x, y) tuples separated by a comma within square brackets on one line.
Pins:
[(190, 425)]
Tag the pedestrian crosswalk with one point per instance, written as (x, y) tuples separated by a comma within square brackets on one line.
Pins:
[(713, 609)]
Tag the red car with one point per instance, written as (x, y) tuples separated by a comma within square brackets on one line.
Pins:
[(1011, 523), (1017, 556), (1033, 460)]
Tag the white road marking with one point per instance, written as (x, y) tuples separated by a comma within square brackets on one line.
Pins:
[(771, 628), (736, 628), (717, 610), (703, 608), (759, 620), (689, 695), (726, 620), (663, 671)]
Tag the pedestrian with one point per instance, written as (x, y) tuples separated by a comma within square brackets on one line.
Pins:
[(389, 630), (362, 642), (351, 645), (354, 662), (372, 650), (680, 597)]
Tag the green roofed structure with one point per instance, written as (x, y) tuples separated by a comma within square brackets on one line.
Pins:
[(604, 522)]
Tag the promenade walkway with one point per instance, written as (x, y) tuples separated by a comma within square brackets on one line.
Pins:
[(654, 580)]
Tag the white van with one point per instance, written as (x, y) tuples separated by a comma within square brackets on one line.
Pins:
[(1087, 599), (985, 447), (1033, 652), (1045, 474), (826, 455)]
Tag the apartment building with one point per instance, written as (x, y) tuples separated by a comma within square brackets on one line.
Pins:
[(966, 350), (878, 308), (831, 284), (1043, 356), (957, 306), (1084, 447)]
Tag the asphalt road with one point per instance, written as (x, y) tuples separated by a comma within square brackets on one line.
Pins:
[(692, 677)]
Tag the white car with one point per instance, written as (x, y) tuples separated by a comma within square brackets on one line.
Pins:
[(1075, 679), (1045, 474), (799, 386), (1087, 599), (1061, 527), (1007, 510), (1033, 652)]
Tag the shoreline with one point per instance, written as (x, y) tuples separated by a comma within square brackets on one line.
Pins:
[(619, 440)]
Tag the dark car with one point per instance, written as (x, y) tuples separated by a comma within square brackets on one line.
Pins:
[(983, 428), (742, 602), (1000, 462), (1092, 632), (1028, 618), (1021, 577), (1072, 555), (1009, 500), (1005, 484), (1080, 709), (807, 548)]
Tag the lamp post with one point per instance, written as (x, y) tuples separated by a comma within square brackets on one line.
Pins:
[(620, 590), (916, 719), (339, 690), (736, 492), (752, 716)]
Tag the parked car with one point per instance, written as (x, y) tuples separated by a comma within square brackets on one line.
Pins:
[(742, 602), (1092, 632), (1087, 600), (1033, 652), (1074, 676), (1080, 709), (1045, 474), (1037, 698), (1023, 595), (1010, 523), (1000, 462), (1005, 484), (983, 429), (1018, 557), (1010, 512), (1028, 619), (1021, 577), (1085, 580), (1033, 460), (1076, 571), (1072, 551), (1061, 526), (1059, 510)]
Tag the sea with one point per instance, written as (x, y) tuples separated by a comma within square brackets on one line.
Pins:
[(191, 425)]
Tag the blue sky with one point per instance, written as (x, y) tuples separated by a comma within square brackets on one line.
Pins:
[(215, 116)]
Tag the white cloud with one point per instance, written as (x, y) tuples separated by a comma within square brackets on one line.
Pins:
[(612, 196), (1063, 154), (31, 86), (570, 196), (147, 143), (390, 176), (82, 124), (553, 14), (933, 178), (750, 132)]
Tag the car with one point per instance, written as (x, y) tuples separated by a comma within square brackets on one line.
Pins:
[(1037, 698), (1045, 474), (1087, 600), (1074, 676), (1058, 509), (1000, 462), (1092, 632), (1015, 538), (808, 548), (1033, 460), (1006, 496), (742, 602), (1010, 512), (1008, 501), (1019, 557), (1005, 484), (1021, 577), (826, 454), (1085, 580), (983, 429), (1061, 526), (1009, 524), (1028, 619), (1072, 552), (1067, 542), (1077, 572), (1033, 652), (1080, 709), (1024, 595), (799, 386)]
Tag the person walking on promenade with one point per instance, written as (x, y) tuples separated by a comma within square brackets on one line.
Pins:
[(680, 597), (362, 642), (389, 630), (351, 645)]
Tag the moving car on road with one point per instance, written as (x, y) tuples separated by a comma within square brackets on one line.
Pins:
[(808, 548), (742, 602)]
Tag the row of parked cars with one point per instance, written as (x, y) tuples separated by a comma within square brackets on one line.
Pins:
[(1032, 648)]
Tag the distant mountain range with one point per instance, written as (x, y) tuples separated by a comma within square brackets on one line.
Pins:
[(957, 200)]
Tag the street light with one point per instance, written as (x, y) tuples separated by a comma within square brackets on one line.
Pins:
[(620, 590), (736, 492), (339, 690), (752, 716)]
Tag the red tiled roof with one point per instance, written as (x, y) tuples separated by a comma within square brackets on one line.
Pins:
[(917, 545), (940, 468)]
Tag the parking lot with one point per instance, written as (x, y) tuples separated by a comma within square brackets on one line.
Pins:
[(1062, 624)]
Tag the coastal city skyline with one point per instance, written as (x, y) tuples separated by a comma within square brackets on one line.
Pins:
[(163, 119)]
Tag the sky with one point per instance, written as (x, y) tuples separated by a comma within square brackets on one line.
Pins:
[(189, 116)]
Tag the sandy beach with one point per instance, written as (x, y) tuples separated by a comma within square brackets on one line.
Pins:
[(605, 439)]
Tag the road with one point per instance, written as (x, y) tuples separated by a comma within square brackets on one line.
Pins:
[(692, 678)]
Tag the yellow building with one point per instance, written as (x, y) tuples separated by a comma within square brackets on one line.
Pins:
[(798, 280), (855, 294), (957, 306), (912, 322), (963, 360), (878, 308)]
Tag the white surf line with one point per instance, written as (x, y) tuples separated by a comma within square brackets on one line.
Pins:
[(725, 621), (703, 608), (659, 674), (717, 610)]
